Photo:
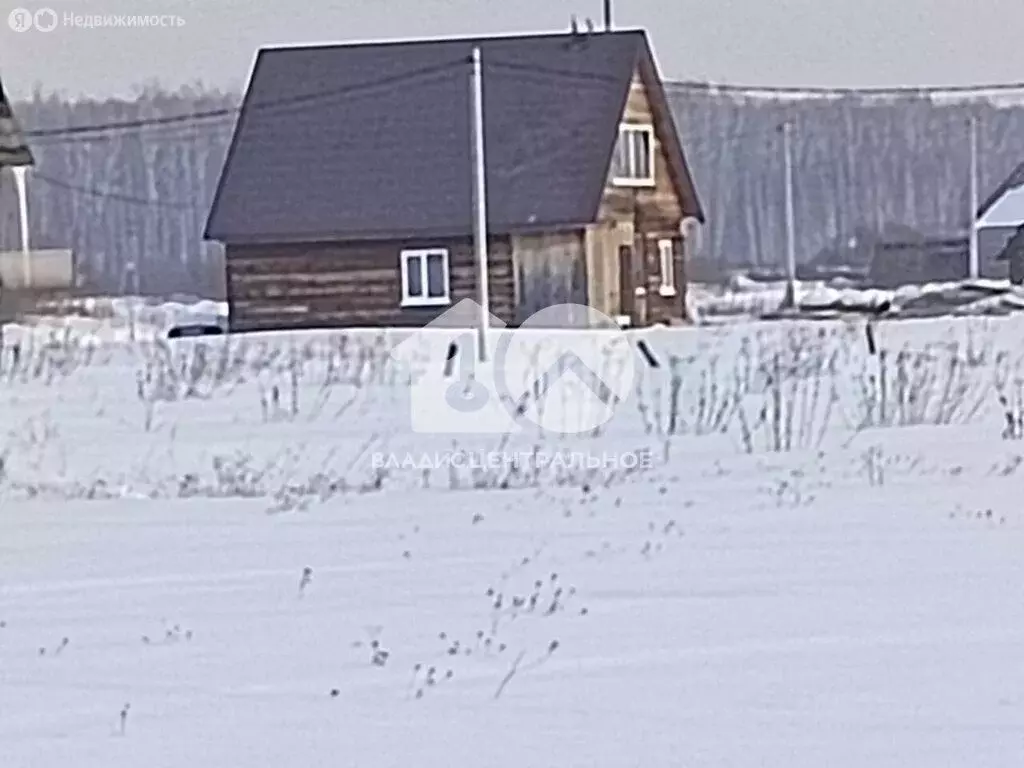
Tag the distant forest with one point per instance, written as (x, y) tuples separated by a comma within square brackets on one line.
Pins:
[(139, 197)]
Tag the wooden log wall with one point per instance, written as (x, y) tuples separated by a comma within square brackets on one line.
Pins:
[(350, 285)]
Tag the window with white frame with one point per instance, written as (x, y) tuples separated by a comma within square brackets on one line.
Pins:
[(425, 278), (633, 164), (667, 261)]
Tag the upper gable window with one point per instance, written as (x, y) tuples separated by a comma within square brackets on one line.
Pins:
[(633, 163), (425, 277)]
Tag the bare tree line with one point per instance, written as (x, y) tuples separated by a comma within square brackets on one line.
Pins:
[(128, 202), (861, 163), (139, 198)]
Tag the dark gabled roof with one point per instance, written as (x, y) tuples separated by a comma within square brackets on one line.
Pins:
[(1014, 180), (374, 140), (13, 149)]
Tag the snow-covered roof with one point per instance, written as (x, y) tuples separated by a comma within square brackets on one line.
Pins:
[(1007, 211), (1005, 206)]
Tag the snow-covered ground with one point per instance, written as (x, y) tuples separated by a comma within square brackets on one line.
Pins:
[(812, 559), (102, 319), (740, 300), (743, 298)]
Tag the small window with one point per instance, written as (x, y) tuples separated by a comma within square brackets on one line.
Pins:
[(633, 164), (425, 279), (667, 260)]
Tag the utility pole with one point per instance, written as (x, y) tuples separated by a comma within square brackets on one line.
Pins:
[(480, 204), (607, 15), (21, 184), (789, 301), (973, 265), (130, 272)]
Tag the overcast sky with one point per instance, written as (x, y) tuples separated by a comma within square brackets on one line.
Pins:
[(776, 42)]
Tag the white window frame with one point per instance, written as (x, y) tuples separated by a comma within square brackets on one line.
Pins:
[(635, 181), (667, 263), (421, 254)]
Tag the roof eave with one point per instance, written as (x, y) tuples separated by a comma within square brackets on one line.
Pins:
[(679, 167), (421, 235), (209, 229), (599, 181)]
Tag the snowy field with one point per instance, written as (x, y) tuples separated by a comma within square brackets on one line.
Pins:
[(745, 299), (739, 300), (812, 559)]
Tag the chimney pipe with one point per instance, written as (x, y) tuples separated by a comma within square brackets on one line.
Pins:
[(607, 15)]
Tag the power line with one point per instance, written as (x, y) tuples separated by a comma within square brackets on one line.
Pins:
[(221, 113), (78, 130), (820, 90), (176, 123), (560, 145), (795, 90), (116, 195), (107, 131), (97, 130), (231, 112), (164, 134), (557, 145), (568, 74)]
